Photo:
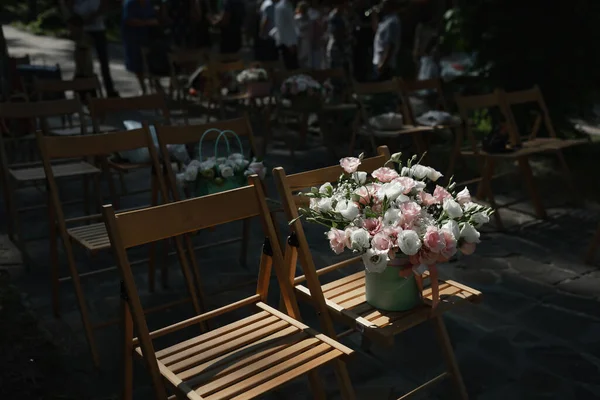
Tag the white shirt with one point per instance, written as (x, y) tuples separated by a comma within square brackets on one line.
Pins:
[(267, 13), (388, 34), (84, 8), (285, 24)]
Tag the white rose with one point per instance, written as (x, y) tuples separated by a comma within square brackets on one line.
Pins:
[(390, 190), (208, 164), (236, 156), (180, 180), (241, 163), (463, 197), (191, 173), (375, 261), (419, 171), (453, 209), (479, 219), (197, 163), (391, 216), (409, 242), (324, 204), (326, 188), (301, 86), (434, 175), (405, 171), (360, 177), (221, 160), (402, 199), (226, 171), (470, 205), (419, 185), (314, 204), (359, 239), (348, 209), (452, 226), (469, 233)]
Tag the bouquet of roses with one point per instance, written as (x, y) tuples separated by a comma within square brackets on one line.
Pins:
[(305, 86), (223, 173), (392, 213), (252, 75)]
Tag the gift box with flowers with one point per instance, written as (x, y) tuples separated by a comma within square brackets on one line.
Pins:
[(400, 221), (255, 80), (217, 174), (304, 91)]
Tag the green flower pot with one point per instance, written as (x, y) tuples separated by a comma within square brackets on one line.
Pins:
[(389, 291)]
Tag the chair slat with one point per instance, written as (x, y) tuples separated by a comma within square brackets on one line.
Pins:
[(39, 109), (158, 223)]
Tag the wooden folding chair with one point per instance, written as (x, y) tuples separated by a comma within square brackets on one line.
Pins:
[(243, 359), (345, 297), (437, 101), (88, 231), (15, 175), (552, 143), (47, 89), (190, 136), (363, 128), (101, 109), (595, 243), (522, 150)]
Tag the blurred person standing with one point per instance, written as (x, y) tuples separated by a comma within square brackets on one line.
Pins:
[(285, 34), (387, 41), (305, 31), (92, 13), (231, 23), (319, 39), (339, 46), (266, 49)]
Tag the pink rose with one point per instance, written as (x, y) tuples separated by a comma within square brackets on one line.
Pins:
[(468, 248), (441, 194), (428, 199), (463, 196), (348, 234), (337, 240), (377, 207), (381, 242), (434, 240), (407, 183), (364, 195), (373, 225), (350, 164), (449, 246), (384, 174), (392, 232), (410, 211)]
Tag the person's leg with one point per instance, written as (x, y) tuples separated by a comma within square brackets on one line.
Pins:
[(101, 45), (289, 58)]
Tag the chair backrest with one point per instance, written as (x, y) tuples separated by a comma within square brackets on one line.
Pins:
[(491, 101), (53, 86), (191, 134), (289, 186), (528, 96), (409, 88), (98, 146), (101, 108), (40, 109), (135, 228), (377, 90)]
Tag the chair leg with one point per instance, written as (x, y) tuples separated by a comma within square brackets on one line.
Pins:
[(245, 242), (316, 386), (591, 253), (343, 379), (449, 358), (54, 261), (568, 176), (484, 191), (127, 363), (83, 310), (152, 245), (531, 187)]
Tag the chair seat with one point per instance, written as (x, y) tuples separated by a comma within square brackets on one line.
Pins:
[(244, 359), (346, 298), (93, 237), (125, 166), (60, 171), (366, 130), (530, 147)]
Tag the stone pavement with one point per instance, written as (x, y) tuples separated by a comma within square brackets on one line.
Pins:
[(536, 335)]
